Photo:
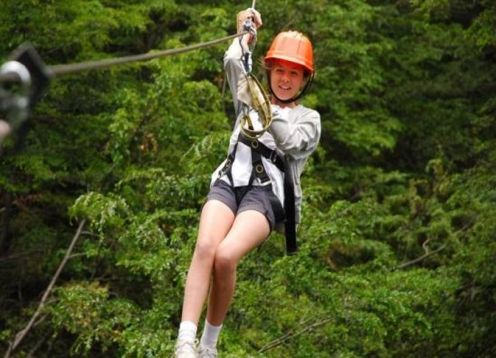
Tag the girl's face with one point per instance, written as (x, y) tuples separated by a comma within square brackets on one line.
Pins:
[(286, 80)]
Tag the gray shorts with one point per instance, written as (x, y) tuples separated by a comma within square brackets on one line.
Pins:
[(239, 199)]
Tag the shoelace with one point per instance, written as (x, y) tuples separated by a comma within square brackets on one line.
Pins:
[(208, 352), (186, 347)]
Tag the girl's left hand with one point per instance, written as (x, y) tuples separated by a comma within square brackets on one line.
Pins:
[(251, 14)]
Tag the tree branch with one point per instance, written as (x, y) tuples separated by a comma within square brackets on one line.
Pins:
[(291, 335), (22, 333), (20, 255), (5, 225), (424, 256), (32, 352)]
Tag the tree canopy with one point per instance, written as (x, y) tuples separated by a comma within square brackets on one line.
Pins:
[(397, 243)]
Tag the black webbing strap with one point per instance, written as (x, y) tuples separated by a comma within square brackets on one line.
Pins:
[(226, 169), (261, 148), (258, 168), (290, 209)]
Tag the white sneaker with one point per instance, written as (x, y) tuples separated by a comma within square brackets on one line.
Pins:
[(207, 352), (186, 349)]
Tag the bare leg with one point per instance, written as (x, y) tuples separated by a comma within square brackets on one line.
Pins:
[(215, 221), (249, 230)]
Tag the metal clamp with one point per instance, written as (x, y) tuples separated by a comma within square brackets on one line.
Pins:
[(19, 101), (20, 70)]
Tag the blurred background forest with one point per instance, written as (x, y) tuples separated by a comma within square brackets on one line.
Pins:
[(397, 245)]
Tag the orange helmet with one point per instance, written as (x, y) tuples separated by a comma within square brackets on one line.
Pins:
[(292, 46)]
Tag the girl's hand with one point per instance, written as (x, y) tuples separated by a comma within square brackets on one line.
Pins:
[(248, 14)]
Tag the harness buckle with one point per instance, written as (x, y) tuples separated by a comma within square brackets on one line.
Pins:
[(273, 156), (259, 168), (254, 144), (225, 168)]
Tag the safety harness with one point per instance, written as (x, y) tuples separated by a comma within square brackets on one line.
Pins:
[(286, 213), (255, 97)]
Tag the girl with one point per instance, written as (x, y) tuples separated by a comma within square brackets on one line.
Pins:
[(247, 196)]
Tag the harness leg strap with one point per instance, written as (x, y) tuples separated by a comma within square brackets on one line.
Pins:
[(290, 209)]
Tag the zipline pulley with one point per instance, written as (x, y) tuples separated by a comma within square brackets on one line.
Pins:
[(26, 79)]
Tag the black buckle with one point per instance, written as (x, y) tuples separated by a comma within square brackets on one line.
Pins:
[(226, 167)]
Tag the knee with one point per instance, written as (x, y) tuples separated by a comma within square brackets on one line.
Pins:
[(225, 263), (205, 249)]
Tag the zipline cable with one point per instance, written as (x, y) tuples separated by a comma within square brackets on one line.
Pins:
[(78, 67), (60, 70), (25, 59)]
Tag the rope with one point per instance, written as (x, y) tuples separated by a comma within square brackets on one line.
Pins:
[(260, 102), (61, 70)]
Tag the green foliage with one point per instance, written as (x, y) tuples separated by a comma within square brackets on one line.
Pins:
[(84, 310), (397, 243)]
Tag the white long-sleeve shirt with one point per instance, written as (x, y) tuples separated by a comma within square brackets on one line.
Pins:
[(294, 132)]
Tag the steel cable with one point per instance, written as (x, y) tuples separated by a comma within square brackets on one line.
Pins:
[(65, 69)]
